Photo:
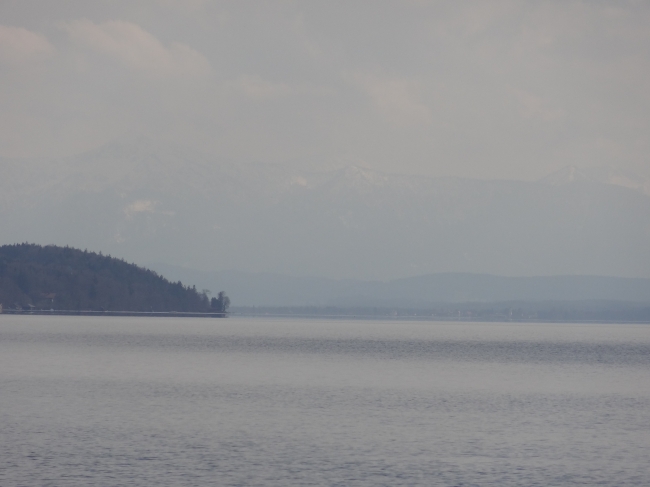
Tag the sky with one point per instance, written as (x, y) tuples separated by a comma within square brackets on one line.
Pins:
[(484, 89)]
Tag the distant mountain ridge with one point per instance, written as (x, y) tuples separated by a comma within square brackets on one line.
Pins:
[(250, 289), (151, 202), (603, 175)]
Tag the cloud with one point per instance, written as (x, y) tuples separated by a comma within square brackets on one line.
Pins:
[(532, 106), (137, 48), (19, 45), (496, 89), (396, 99), (140, 206), (256, 87), (192, 5)]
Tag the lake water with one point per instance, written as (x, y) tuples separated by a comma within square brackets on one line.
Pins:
[(269, 402)]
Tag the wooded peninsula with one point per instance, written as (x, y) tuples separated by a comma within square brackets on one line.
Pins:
[(35, 277)]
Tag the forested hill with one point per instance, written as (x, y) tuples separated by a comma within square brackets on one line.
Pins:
[(64, 278)]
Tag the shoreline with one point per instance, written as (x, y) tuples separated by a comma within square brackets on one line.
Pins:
[(68, 312)]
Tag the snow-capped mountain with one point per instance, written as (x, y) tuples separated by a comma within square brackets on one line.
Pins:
[(603, 175), (152, 202)]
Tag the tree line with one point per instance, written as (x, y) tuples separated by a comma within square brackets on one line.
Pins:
[(64, 278)]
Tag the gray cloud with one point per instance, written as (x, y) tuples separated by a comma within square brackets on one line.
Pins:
[(498, 89), (137, 48)]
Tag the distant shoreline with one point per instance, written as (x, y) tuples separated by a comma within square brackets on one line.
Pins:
[(462, 319), (68, 312), (551, 312), (235, 314)]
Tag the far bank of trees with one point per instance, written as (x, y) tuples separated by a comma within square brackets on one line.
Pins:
[(221, 303), (63, 278)]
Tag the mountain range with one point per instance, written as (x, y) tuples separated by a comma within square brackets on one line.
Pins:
[(419, 292), (149, 202)]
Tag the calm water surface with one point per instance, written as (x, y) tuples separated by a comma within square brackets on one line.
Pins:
[(177, 402)]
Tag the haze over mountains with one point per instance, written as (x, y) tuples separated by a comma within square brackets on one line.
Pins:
[(150, 202), (419, 292)]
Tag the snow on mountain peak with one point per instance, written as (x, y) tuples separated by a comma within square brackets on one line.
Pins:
[(599, 174)]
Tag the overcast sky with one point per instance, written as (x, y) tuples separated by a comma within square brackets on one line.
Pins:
[(487, 89)]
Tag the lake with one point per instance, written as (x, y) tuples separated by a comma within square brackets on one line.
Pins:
[(299, 402)]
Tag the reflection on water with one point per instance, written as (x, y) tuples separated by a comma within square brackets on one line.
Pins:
[(144, 401)]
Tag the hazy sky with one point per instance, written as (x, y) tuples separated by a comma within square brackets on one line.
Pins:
[(488, 89)]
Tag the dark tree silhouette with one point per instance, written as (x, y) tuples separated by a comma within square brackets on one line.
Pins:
[(221, 303), (63, 278)]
